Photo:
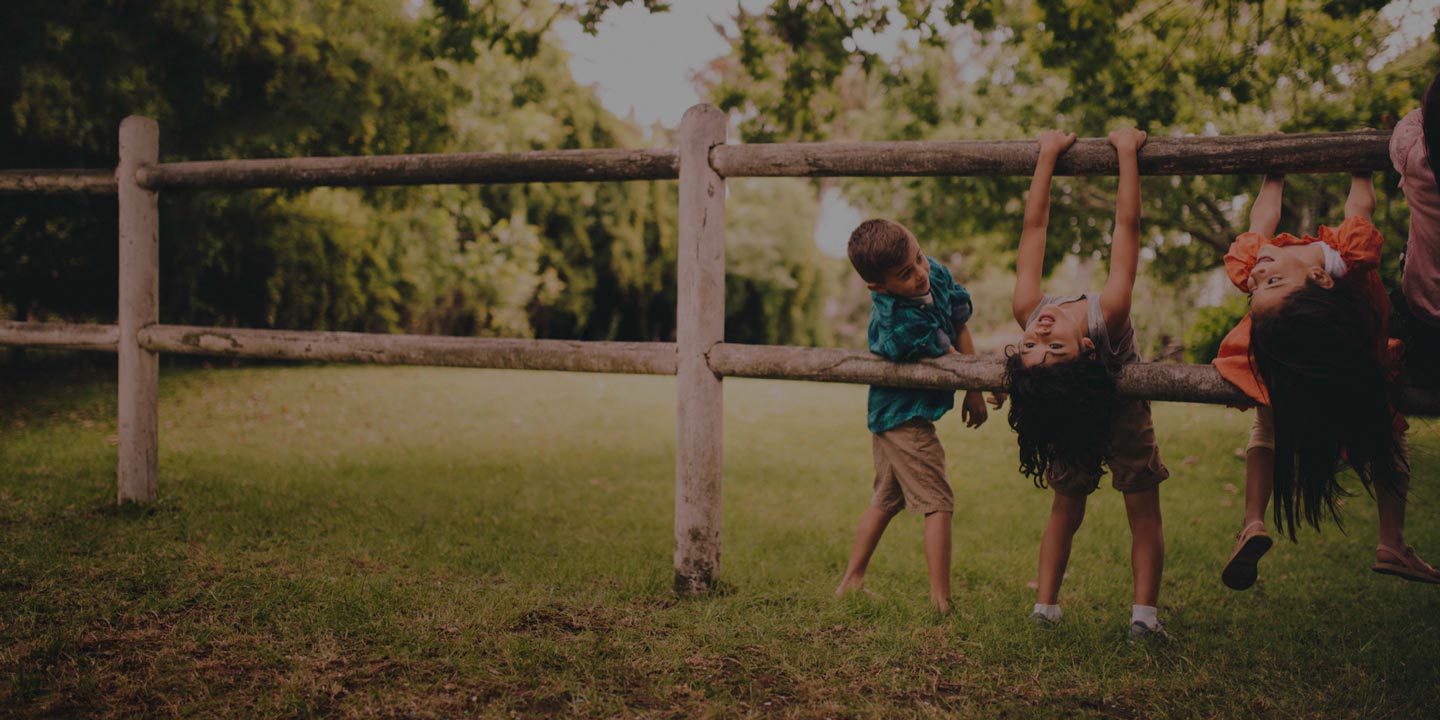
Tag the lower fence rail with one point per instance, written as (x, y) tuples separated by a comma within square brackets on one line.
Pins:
[(1167, 382), (60, 336), (572, 355)]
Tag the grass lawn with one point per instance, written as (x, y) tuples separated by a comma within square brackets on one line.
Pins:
[(362, 541)]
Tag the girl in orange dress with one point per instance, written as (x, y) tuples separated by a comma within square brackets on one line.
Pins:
[(1313, 354)]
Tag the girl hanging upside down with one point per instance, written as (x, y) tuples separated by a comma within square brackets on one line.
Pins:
[(1314, 354), (1069, 421)]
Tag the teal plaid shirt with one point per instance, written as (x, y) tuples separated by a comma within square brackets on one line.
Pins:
[(905, 330)]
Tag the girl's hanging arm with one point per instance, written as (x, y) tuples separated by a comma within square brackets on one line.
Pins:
[(1264, 218), (1125, 243), (1361, 202), (1030, 259), (1265, 213)]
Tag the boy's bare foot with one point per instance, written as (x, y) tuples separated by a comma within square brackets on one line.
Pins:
[(941, 605), (849, 586)]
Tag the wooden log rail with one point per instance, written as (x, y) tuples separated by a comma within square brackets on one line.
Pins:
[(98, 182), (547, 166), (569, 355), (1365, 150), (1216, 155), (1169, 382), (60, 336)]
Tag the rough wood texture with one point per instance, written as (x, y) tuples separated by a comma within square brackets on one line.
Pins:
[(457, 168), (700, 324), (1152, 381), (1220, 155), (100, 182), (603, 357), (60, 336), (139, 432)]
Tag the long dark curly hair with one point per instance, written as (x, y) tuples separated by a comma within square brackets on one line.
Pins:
[(1062, 414), (1320, 356)]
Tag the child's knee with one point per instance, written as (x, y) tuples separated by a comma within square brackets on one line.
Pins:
[(1070, 509), (1142, 509)]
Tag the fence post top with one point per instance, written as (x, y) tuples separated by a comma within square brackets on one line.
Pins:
[(703, 112), (139, 123)]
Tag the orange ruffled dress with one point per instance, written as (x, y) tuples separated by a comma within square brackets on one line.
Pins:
[(1358, 243)]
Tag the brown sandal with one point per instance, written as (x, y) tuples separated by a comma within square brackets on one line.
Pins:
[(1404, 564), (1251, 544)]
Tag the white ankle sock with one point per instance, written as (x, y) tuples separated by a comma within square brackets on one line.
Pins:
[(1050, 612), (1145, 615)]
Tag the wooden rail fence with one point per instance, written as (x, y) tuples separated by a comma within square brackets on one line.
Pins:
[(699, 358)]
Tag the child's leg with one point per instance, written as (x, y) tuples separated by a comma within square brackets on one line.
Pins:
[(1259, 466), (1252, 542), (1147, 544), (937, 558), (1393, 556), (1259, 483), (867, 536), (1391, 505), (1066, 514)]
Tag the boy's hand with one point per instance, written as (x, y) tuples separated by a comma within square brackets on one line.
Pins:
[(997, 399), (1054, 142), (972, 410), (1128, 139)]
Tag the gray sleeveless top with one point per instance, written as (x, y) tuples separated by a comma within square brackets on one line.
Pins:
[(1114, 354)]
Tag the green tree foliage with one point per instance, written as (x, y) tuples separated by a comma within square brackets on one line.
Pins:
[(225, 79), (275, 78), (1212, 324), (775, 282), (982, 69)]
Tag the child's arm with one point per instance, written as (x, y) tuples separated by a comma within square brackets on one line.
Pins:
[(1264, 218), (972, 408), (1361, 202), (1125, 244), (1265, 213), (1030, 260)]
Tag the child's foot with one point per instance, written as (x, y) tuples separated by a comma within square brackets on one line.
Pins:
[(1040, 619), (1045, 615), (1251, 544), (941, 605), (850, 585), (1404, 563), (1140, 632)]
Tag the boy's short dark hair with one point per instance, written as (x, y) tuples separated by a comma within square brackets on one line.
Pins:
[(876, 246), (1062, 415)]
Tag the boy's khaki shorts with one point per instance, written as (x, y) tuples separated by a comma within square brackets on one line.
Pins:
[(910, 470), (1135, 465)]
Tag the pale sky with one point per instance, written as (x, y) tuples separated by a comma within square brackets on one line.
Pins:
[(641, 63)]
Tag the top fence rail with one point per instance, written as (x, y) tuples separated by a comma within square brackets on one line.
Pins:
[(1361, 151)]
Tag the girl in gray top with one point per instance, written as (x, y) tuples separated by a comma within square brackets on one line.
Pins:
[(1069, 421)]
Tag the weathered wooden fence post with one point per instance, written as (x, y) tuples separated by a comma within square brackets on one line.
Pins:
[(700, 324), (139, 465)]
